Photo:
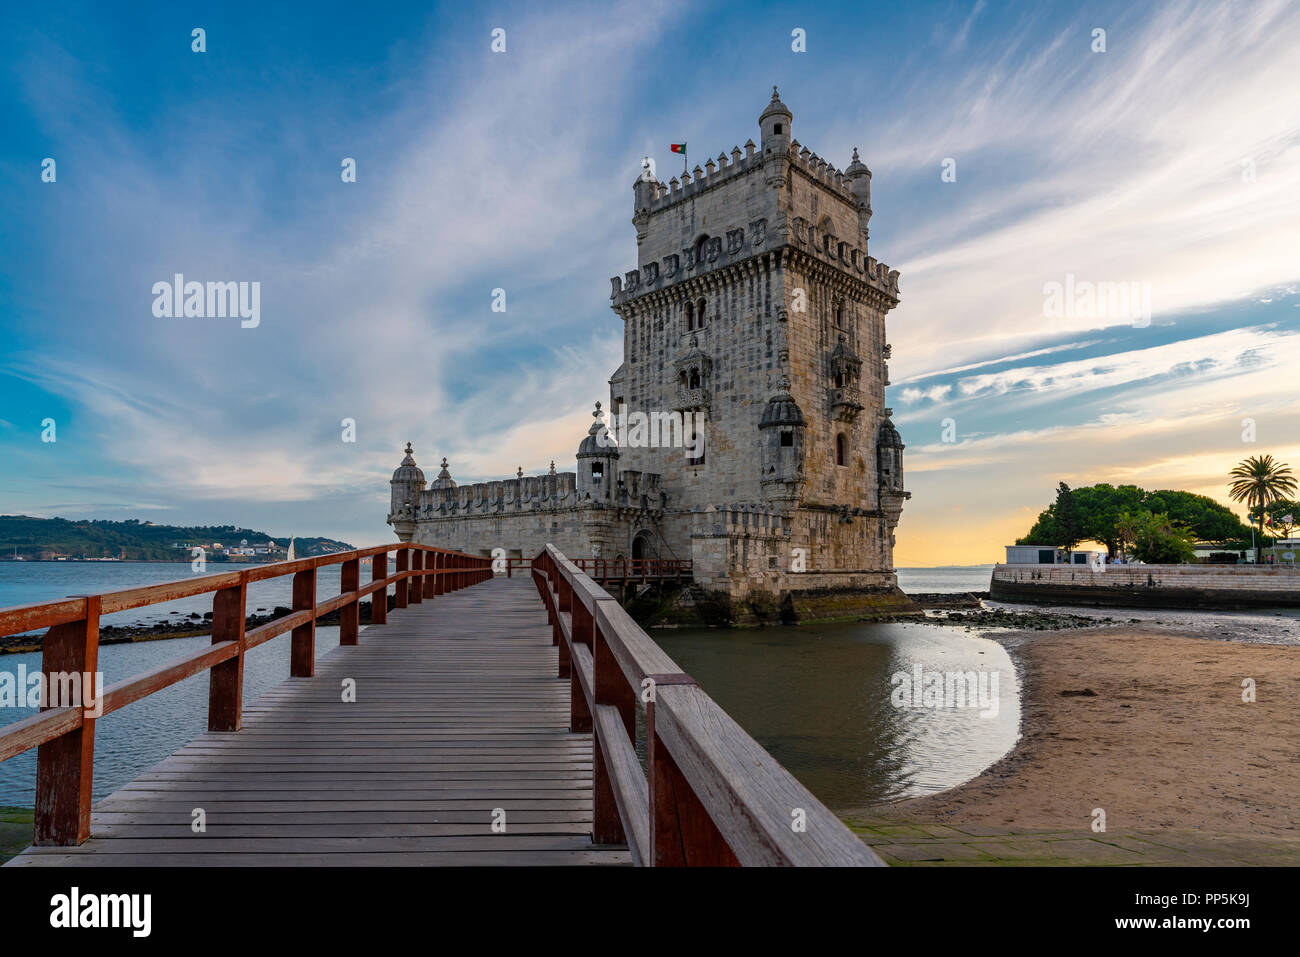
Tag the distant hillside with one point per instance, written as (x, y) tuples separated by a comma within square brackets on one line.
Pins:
[(43, 539)]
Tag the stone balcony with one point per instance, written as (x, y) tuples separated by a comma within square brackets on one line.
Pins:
[(846, 402), (688, 400)]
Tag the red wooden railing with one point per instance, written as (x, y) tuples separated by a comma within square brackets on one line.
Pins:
[(64, 736), (710, 794), (620, 569)]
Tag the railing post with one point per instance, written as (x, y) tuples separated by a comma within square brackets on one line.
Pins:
[(417, 583), (563, 603), (579, 713), (65, 767), (379, 599), (610, 687), (302, 647), (226, 685), (428, 579), (349, 614), (400, 590), (681, 832), (439, 579)]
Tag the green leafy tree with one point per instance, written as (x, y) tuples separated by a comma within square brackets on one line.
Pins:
[(1281, 518), (1260, 481), (1094, 514), (1160, 540)]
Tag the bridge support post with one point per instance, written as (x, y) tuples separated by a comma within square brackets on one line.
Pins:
[(349, 614), (583, 628), (417, 583), (399, 589), (65, 767), (681, 832), (610, 688), (302, 647), (379, 599), (226, 685), (563, 603), (429, 580)]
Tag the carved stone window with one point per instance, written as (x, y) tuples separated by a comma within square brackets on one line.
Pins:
[(841, 450), (695, 451)]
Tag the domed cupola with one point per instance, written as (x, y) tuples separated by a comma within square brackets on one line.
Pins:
[(444, 479), (408, 471), (780, 410), (407, 485), (781, 441), (597, 462)]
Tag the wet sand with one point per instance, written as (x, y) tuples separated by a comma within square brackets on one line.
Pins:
[(1165, 741)]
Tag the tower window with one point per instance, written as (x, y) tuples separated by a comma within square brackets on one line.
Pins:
[(597, 472), (787, 440), (695, 450), (690, 316), (778, 128), (699, 313), (841, 452), (839, 380), (695, 378), (839, 316)]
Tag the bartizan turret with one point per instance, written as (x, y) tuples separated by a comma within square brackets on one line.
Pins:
[(598, 463), (407, 484)]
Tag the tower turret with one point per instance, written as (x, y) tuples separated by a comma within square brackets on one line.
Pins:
[(597, 462), (781, 440), (860, 183), (774, 122), (407, 483)]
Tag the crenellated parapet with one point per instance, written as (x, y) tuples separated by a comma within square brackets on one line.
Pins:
[(678, 275), (535, 493)]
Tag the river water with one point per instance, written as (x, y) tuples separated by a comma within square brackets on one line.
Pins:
[(819, 698)]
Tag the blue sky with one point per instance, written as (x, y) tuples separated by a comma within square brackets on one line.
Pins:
[(481, 170)]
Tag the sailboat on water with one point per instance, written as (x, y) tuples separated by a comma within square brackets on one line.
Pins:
[(289, 557)]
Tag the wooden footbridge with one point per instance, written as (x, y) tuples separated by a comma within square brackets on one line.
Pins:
[(492, 720)]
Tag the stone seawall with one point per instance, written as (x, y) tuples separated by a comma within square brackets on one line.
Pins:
[(1149, 586)]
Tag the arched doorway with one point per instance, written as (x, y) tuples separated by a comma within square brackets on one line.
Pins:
[(643, 546)]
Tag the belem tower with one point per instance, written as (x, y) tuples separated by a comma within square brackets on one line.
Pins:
[(756, 318)]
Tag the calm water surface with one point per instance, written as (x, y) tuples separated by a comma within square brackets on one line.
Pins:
[(817, 697)]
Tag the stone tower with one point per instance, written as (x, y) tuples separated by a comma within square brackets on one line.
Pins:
[(756, 310), (754, 348)]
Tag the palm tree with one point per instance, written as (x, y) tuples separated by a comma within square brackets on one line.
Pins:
[(1260, 481)]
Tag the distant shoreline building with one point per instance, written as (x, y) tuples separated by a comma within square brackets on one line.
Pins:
[(754, 323)]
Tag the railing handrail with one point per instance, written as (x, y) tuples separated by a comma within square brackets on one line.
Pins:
[(17, 619), (710, 793), (64, 734)]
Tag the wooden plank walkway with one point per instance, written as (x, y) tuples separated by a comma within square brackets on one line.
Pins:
[(458, 713)]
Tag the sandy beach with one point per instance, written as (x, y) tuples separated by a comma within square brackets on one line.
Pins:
[(1164, 740)]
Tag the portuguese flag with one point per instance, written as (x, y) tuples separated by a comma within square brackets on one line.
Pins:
[(678, 148)]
